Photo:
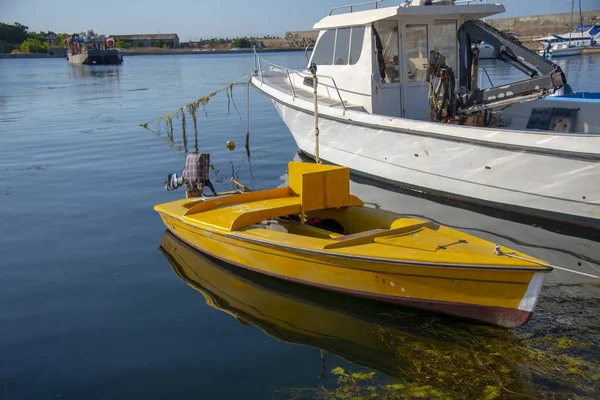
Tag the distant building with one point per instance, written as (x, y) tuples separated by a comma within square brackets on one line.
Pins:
[(148, 40), (51, 38)]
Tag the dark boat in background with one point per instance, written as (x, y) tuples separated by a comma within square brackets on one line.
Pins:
[(90, 50)]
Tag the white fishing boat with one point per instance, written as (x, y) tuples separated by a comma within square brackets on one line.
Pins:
[(390, 109)]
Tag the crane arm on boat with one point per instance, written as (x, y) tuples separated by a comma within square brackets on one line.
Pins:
[(544, 77)]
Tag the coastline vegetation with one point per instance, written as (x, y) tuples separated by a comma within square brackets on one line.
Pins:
[(16, 38)]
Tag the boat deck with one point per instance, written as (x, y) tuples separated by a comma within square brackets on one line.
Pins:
[(327, 95)]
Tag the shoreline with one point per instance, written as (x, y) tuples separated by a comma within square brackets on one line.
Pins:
[(158, 52), (161, 52)]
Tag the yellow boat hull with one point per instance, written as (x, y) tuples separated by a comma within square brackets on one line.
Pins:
[(497, 297)]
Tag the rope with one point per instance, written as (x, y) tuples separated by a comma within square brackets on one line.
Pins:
[(498, 251), (248, 115), (194, 104)]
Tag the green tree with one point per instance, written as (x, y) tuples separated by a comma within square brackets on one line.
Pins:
[(33, 46), (242, 43), (157, 43), (14, 34), (139, 43), (60, 38), (6, 47), (123, 44)]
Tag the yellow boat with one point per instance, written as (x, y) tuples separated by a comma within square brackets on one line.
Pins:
[(315, 232)]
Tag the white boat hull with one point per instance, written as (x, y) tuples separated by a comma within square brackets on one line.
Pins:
[(543, 185), (564, 52)]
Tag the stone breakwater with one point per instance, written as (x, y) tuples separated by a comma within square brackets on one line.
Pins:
[(542, 25)]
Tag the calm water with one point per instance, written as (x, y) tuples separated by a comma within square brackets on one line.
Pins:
[(91, 308)]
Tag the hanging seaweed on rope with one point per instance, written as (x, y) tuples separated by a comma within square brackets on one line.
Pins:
[(193, 106), (155, 125), (169, 123), (229, 91)]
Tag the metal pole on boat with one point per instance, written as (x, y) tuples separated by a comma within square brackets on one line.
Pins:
[(313, 70)]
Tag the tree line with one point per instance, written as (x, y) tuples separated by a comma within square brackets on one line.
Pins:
[(241, 42), (16, 38)]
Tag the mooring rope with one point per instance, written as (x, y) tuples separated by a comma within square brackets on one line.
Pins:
[(498, 251), (194, 105)]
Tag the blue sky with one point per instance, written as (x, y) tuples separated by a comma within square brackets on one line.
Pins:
[(194, 19)]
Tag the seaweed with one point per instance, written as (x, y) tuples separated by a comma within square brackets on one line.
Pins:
[(475, 363)]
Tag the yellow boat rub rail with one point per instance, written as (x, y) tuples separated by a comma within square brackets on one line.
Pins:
[(243, 238)]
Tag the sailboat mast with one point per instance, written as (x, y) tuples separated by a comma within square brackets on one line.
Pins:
[(571, 24), (581, 21)]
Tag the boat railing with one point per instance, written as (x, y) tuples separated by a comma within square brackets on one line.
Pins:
[(351, 6), (258, 67)]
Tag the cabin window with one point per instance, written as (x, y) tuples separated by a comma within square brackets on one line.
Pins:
[(388, 33), (356, 43), (416, 52), (340, 46), (444, 41), (323, 53)]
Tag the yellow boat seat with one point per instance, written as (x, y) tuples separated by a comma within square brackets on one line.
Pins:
[(236, 211)]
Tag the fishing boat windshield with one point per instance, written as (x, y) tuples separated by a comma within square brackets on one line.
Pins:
[(340, 46)]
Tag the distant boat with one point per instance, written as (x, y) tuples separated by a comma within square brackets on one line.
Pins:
[(562, 50), (90, 50), (566, 47), (584, 35)]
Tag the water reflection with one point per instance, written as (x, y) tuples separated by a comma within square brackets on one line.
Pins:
[(109, 72), (425, 354)]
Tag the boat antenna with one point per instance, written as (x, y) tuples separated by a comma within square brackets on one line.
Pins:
[(313, 71)]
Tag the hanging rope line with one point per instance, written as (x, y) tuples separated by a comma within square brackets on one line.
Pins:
[(499, 252), (193, 107)]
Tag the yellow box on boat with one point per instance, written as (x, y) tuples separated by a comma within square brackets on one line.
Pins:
[(319, 186)]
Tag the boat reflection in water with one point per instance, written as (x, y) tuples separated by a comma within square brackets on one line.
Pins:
[(110, 72), (429, 354)]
